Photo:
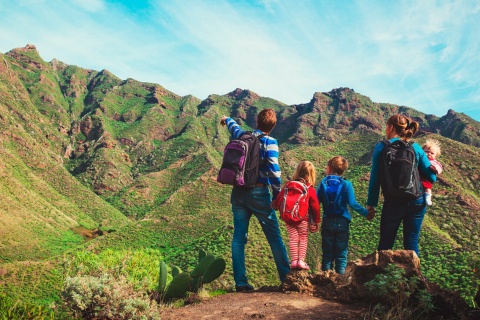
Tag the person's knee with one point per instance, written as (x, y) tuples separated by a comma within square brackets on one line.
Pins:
[(239, 239)]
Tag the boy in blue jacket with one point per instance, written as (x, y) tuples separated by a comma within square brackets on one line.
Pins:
[(334, 193)]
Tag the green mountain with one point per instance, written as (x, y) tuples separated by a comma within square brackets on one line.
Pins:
[(84, 153)]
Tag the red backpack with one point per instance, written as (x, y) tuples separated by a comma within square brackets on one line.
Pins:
[(294, 202)]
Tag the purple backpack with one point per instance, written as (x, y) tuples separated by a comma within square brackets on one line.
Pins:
[(241, 160)]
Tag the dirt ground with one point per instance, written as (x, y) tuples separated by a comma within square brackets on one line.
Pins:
[(266, 305)]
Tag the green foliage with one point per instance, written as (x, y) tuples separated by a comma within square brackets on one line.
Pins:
[(214, 270), (158, 168), (10, 309), (179, 286), (162, 283), (176, 271), (140, 268), (201, 254), (107, 297), (208, 269), (399, 295), (202, 266)]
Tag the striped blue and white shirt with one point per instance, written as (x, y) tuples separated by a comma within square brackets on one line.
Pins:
[(269, 172)]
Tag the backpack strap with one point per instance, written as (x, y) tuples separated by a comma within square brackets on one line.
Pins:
[(385, 143), (264, 160), (340, 190)]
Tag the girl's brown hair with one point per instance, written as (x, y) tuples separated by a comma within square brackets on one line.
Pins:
[(306, 171), (403, 126), (266, 120), (338, 165)]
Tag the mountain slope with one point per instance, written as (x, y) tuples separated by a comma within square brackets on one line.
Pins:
[(41, 201), (84, 148)]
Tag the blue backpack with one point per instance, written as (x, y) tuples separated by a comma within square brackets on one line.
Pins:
[(330, 194)]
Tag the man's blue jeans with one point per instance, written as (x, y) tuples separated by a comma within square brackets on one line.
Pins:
[(335, 234), (256, 201), (411, 214)]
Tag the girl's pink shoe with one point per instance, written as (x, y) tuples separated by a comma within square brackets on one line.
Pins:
[(303, 265), (294, 264)]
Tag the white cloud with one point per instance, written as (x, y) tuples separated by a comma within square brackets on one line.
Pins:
[(91, 5), (420, 54)]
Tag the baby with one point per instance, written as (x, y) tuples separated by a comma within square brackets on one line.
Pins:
[(432, 150)]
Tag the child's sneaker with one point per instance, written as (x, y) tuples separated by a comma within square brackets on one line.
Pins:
[(294, 264), (303, 265), (428, 199)]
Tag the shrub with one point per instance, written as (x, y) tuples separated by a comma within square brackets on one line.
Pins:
[(106, 297), (399, 296)]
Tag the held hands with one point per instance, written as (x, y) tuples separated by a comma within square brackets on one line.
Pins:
[(313, 227), (223, 119), (371, 213)]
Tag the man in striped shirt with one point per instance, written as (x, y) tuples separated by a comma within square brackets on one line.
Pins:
[(257, 201)]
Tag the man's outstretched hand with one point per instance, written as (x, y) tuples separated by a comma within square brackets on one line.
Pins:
[(223, 120)]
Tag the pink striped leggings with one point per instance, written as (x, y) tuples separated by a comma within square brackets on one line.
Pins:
[(298, 240)]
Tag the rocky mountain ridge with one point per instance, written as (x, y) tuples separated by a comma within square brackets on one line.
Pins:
[(80, 147)]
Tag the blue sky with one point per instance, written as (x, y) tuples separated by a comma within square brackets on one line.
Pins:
[(421, 54)]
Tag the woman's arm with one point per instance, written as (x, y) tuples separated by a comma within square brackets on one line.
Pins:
[(374, 184)]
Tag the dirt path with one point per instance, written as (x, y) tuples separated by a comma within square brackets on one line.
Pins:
[(266, 305)]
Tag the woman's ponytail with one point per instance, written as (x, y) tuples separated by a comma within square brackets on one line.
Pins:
[(404, 126)]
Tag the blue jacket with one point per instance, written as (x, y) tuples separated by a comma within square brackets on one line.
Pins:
[(347, 197), (269, 172), (374, 185)]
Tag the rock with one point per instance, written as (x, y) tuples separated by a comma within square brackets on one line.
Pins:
[(350, 287), (68, 152)]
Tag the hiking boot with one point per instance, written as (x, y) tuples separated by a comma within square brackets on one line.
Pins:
[(294, 264), (428, 199), (245, 288), (303, 265)]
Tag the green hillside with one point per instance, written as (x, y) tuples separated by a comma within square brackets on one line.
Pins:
[(84, 153)]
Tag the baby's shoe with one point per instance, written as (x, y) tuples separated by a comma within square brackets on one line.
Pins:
[(303, 265), (428, 199), (294, 264)]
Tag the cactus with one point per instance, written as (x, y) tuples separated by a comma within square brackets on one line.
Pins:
[(214, 270), (201, 254), (179, 286), (208, 269), (202, 266), (176, 271), (196, 284), (162, 283)]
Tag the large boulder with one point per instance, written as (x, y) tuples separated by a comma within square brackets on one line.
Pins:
[(350, 287)]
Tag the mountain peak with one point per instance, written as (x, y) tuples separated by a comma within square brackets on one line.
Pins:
[(29, 48), (30, 56), (240, 94)]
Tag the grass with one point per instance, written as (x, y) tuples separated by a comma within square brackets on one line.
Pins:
[(158, 191)]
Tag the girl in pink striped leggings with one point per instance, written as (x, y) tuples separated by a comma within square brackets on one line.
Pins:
[(298, 231)]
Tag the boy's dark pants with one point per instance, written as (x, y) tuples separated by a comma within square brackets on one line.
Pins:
[(335, 234)]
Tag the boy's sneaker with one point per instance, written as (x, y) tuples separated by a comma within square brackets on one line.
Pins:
[(245, 288), (294, 264), (428, 199), (303, 265)]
